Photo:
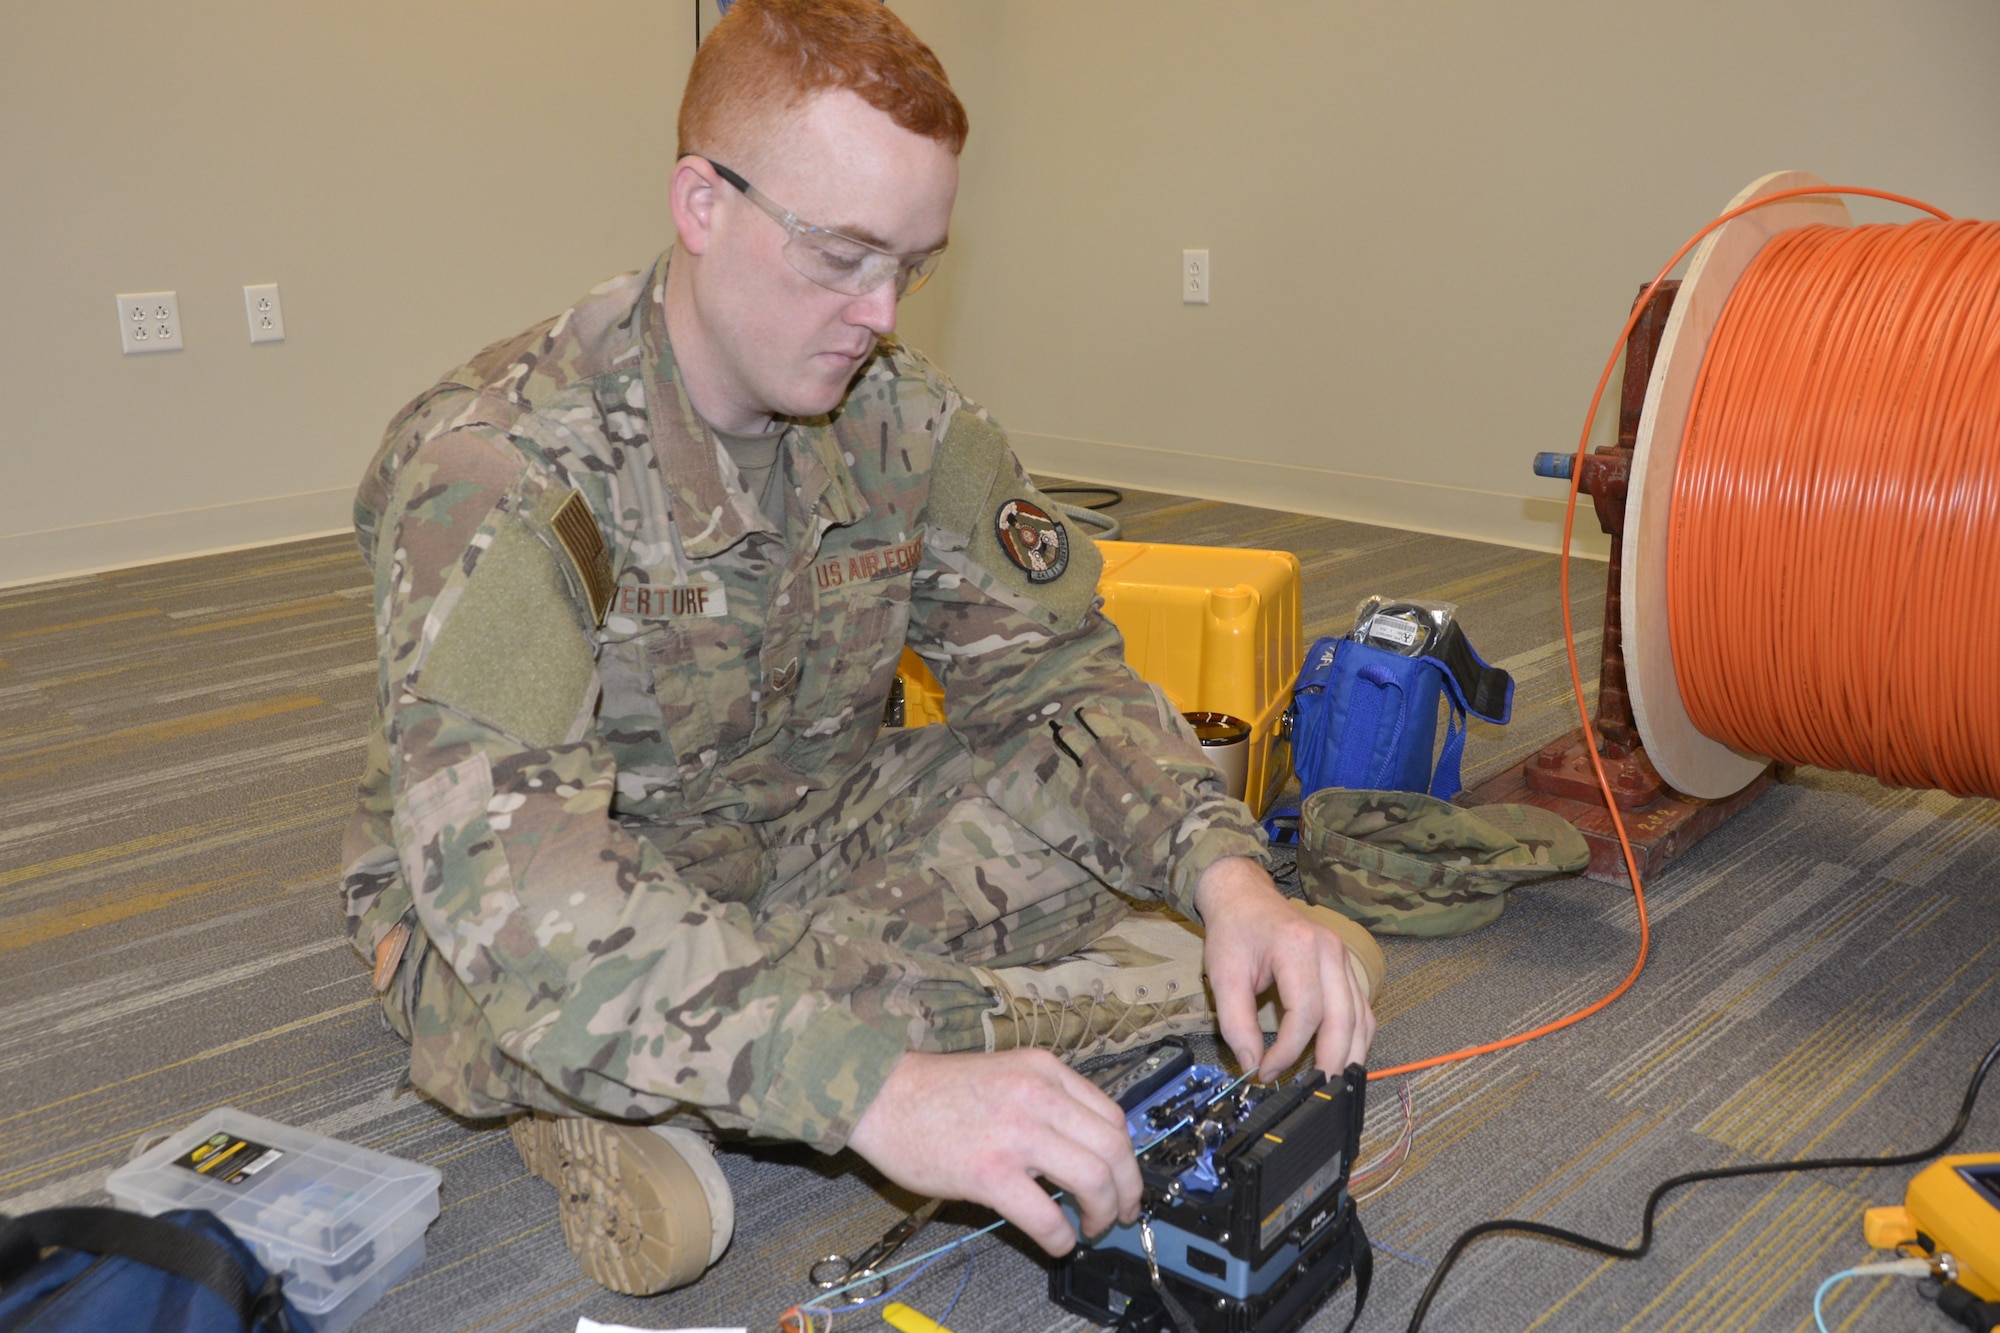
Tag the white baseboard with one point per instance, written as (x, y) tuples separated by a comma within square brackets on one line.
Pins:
[(1533, 522), (91, 548)]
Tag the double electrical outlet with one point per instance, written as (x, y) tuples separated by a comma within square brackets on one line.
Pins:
[(1194, 277), (151, 321)]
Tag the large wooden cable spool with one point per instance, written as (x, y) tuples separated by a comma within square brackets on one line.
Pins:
[(1691, 762), (1815, 503), (1846, 410)]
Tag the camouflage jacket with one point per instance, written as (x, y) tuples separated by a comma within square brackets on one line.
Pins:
[(604, 670)]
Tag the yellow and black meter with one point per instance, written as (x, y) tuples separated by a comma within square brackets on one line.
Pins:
[(1954, 1205)]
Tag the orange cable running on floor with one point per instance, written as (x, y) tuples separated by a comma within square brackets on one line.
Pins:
[(1569, 629)]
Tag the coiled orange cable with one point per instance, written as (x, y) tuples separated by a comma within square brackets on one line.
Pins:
[(1569, 628), (1832, 591)]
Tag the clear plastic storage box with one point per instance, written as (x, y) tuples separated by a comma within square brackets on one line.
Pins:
[(343, 1224)]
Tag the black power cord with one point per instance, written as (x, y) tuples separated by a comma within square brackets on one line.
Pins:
[(1639, 1251), (1113, 495), (1099, 525)]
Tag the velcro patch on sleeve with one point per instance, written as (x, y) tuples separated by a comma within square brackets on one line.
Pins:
[(971, 454), (511, 652), (576, 529)]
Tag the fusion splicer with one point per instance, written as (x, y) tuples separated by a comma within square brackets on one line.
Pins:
[(1246, 1226)]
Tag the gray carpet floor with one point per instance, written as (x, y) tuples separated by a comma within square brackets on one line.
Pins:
[(178, 747)]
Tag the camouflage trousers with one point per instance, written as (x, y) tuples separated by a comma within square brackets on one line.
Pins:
[(910, 876)]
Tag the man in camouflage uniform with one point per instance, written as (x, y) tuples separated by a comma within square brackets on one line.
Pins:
[(633, 852)]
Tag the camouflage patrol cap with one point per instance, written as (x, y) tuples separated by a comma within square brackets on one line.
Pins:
[(1402, 863)]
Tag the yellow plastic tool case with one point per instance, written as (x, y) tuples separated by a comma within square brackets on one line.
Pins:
[(1219, 629), (923, 697)]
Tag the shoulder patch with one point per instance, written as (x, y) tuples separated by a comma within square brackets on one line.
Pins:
[(1037, 543), (577, 530), (980, 495)]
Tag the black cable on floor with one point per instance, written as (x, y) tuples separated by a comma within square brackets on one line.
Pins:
[(1639, 1251), (1080, 488)]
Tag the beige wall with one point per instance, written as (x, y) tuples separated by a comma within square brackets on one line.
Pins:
[(1425, 221), (418, 178)]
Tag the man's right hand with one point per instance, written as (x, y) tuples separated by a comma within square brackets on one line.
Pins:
[(985, 1128)]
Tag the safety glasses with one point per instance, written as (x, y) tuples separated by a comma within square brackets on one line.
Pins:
[(837, 262)]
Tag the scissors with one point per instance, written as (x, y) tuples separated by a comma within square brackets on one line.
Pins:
[(837, 1270)]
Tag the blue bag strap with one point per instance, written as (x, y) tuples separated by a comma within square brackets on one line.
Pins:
[(158, 1243), (1445, 782), (1364, 719)]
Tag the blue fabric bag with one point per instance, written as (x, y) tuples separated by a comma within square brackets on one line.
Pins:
[(1365, 718), (180, 1272)]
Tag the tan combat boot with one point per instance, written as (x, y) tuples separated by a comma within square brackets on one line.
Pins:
[(644, 1208), (1138, 982)]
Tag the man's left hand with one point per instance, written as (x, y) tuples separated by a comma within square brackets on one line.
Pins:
[(1256, 938)]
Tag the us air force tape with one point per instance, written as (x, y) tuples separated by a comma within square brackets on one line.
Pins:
[(1036, 543)]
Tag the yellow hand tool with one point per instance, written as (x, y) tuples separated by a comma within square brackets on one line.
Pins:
[(900, 1316)]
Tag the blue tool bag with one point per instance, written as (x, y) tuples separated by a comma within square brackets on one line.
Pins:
[(96, 1270), (1365, 717)]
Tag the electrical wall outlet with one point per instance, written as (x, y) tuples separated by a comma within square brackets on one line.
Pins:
[(1194, 277), (149, 322), (266, 316)]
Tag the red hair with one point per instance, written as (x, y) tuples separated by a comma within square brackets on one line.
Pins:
[(766, 57)]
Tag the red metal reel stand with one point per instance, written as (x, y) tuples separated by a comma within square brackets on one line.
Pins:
[(1661, 822)]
